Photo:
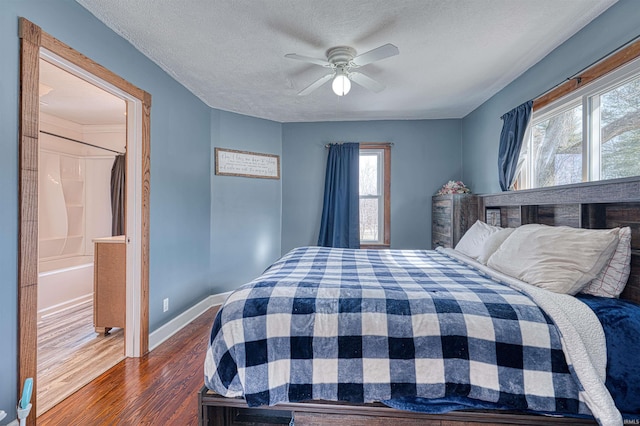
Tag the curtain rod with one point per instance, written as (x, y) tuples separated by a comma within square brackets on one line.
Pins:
[(364, 143), (83, 143)]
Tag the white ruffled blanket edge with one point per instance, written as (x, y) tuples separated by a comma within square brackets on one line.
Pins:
[(583, 339)]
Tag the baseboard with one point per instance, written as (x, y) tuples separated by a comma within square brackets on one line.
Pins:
[(64, 306), (178, 323)]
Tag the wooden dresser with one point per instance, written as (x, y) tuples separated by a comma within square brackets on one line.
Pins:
[(109, 283), (451, 216)]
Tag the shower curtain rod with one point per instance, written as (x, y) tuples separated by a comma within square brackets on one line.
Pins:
[(83, 143)]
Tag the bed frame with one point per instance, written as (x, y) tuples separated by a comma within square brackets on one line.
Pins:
[(592, 205)]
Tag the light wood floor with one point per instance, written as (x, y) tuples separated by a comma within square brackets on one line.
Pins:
[(71, 354), (160, 388)]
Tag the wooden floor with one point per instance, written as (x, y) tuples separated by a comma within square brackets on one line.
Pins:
[(71, 354), (158, 389)]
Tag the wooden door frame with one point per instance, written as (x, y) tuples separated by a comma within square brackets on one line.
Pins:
[(32, 38)]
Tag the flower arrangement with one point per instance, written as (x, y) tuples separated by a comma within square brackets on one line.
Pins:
[(454, 187)]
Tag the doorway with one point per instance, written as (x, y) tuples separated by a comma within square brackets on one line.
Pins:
[(81, 206), (34, 44)]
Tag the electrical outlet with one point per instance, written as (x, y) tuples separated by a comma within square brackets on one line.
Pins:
[(165, 305)]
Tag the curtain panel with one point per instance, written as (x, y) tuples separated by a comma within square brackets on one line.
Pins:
[(118, 186), (514, 126), (340, 223)]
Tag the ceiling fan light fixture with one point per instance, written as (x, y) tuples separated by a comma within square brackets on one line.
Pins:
[(341, 84), (344, 64)]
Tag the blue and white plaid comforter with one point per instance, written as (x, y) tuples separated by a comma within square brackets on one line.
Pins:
[(378, 325)]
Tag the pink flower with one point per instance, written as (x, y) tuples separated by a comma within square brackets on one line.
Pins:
[(454, 187)]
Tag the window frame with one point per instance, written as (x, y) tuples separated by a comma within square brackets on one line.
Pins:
[(384, 183), (588, 95)]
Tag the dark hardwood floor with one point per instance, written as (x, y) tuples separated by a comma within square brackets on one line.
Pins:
[(158, 389)]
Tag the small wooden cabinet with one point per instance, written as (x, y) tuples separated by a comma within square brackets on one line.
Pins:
[(109, 283), (451, 216)]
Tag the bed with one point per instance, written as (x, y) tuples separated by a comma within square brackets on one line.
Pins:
[(334, 336)]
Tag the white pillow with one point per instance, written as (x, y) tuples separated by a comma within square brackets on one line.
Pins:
[(472, 242), (493, 242), (558, 258), (613, 277)]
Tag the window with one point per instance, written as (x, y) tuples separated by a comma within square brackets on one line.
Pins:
[(591, 134), (375, 183), (617, 138), (555, 143)]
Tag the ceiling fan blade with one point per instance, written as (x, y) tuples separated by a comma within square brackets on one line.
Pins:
[(313, 86), (366, 82), (376, 54), (321, 62)]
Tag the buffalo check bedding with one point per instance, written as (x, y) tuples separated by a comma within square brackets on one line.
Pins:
[(397, 326)]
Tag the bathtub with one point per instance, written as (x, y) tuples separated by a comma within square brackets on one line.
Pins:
[(64, 283)]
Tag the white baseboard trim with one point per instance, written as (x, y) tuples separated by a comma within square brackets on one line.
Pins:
[(178, 323), (64, 306)]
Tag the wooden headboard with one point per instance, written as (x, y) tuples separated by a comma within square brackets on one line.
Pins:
[(594, 205)]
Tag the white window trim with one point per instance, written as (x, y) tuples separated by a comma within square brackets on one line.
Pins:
[(379, 153)]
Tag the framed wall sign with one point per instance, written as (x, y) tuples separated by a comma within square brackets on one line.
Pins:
[(230, 162)]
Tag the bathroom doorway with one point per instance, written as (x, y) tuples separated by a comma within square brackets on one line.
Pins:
[(81, 182), (34, 45)]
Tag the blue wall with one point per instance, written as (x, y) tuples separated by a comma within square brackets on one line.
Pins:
[(180, 266), (245, 212), (9, 85), (426, 154), (180, 262), (481, 129)]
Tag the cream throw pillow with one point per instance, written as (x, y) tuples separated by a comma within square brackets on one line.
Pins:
[(558, 258), (494, 242), (472, 242)]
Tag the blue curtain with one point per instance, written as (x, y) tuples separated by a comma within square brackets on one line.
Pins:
[(340, 224), (514, 124)]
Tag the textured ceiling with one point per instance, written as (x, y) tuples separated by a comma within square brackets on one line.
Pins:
[(454, 54)]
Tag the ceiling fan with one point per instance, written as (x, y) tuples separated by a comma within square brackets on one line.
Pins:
[(343, 62)]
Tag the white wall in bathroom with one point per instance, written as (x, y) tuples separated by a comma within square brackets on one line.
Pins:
[(98, 193), (52, 212), (94, 168), (112, 136), (75, 206), (97, 200)]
